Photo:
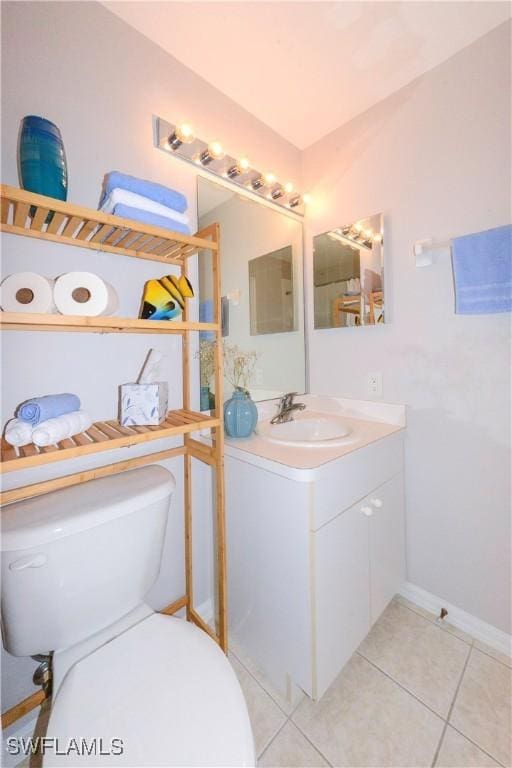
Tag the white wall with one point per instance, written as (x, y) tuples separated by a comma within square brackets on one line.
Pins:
[(100, 82), (435, 158)]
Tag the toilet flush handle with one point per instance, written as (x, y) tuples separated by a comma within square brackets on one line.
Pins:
[(29, 561)]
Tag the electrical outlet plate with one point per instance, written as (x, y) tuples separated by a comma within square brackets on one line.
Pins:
[(375, 384)]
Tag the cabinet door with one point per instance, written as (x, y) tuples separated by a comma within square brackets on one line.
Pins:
[(387, 543), (342, 593), (268, 573)]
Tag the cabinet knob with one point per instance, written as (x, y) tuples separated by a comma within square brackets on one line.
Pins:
[(377, 503), (368, 511)]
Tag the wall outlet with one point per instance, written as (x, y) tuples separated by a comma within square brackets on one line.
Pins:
[(375, 384)]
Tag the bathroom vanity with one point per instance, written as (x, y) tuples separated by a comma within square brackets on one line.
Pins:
[(316, 538)]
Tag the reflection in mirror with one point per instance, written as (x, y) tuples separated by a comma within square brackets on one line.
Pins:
[(271, 292), (262, 289), (348, 275)]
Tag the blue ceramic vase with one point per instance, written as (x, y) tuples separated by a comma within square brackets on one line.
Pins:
[(240, 414), (41, 157)]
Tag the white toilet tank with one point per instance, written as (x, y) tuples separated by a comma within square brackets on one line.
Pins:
[(76, 560)]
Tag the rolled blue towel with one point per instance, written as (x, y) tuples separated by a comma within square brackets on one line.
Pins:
[(127, 212), (48, 407), (157, 192)]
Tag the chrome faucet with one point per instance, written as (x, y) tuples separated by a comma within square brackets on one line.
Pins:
[(286, 409)]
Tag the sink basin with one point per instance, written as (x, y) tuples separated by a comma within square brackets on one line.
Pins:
[(308, 430)]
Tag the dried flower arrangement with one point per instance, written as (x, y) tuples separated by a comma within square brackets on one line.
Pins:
[(239, 366), (206, 355)]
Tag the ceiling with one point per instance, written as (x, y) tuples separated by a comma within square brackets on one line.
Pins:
[(305, 68)]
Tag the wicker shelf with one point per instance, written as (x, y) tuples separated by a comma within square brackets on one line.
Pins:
[(103, 436), (27, 321), (44, 218), (25, 213)]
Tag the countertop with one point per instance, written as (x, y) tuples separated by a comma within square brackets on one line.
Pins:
[(370, 421)]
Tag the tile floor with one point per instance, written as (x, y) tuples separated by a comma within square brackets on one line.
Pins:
[(415, 693)]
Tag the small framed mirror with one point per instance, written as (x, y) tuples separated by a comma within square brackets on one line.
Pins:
[(348, 275)]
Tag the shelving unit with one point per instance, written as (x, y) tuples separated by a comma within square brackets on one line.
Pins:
[(25, 213), (23, 321)]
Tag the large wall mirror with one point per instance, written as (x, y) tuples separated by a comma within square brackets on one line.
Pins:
[(348, 274), (262, 290)]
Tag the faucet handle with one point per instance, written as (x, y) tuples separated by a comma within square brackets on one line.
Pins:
[(288, 398)]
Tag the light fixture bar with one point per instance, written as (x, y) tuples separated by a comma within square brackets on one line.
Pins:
[(348, 240), (180, 141)]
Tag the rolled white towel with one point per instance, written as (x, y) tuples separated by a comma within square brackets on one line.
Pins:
[(51, 431), (134, 200), (18, 432)]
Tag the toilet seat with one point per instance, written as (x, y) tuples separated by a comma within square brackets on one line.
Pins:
[(166, 689)]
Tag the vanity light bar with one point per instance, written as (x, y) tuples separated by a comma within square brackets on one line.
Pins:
[(180, 140), (338, 234)]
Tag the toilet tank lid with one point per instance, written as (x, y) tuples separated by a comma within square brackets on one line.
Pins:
[(58, 514)]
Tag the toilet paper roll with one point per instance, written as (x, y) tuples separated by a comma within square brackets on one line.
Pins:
[(27, 292), (84, 293)]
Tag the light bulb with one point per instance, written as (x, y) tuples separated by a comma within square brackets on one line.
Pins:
[(182, 134), (368, 233), (306, 198), (270, 178), (185, 132), (214, 151), (241, 166), (288, 187)]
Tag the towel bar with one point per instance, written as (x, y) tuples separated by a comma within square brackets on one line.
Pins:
[(425, 251)]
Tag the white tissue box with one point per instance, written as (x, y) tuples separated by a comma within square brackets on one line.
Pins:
[(143, 403)]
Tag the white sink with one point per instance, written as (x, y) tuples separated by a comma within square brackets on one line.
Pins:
[(308, 430)]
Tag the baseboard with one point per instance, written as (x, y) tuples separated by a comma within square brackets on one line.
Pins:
[(475, 627)]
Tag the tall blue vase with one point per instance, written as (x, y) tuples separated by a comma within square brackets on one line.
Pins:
[(41, 157), (240, 414)]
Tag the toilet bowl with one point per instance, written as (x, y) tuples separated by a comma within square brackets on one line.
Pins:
[(131, 687)]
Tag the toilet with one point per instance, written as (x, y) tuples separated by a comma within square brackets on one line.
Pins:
[(131, 687)]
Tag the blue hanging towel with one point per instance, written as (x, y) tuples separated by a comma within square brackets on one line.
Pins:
[(482, 269), (48, 407)]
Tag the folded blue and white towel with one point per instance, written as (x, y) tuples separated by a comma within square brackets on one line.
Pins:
[(157, 192), (122, 196), (48, 407), (127, 212), (482, 269)]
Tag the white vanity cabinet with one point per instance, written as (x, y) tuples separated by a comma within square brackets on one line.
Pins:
[(314, 557)]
